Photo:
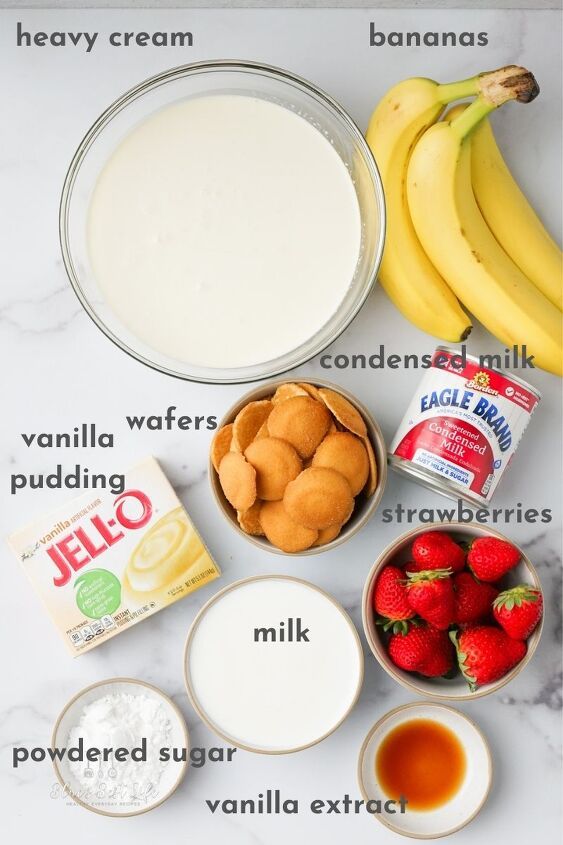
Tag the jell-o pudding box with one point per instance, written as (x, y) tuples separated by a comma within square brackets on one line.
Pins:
[(102, 563)]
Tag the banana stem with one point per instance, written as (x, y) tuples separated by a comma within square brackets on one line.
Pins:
[(466, 122), (508, 83), (458, 90), (496, 88)]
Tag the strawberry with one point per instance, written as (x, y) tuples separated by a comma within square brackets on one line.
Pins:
[(490, 558), (518, 610), (437, 550), (485, 654), (430, 593), (390, 599), (473, 600), (424, 650)]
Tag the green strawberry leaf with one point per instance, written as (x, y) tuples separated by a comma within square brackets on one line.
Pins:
[(461, 661), (428, 575), (393, 625), (397, 626), (516, 596)]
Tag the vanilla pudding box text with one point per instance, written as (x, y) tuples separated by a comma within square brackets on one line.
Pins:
[(103, 563)]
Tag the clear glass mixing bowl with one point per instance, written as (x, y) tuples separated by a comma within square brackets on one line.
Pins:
[(204, 79)]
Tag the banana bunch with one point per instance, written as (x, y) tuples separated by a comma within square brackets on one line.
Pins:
[(459, 229)]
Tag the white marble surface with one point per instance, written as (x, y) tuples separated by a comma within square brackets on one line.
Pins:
[(235, 4), (59, 371)]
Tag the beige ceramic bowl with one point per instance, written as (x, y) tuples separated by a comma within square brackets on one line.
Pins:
[(365, 508), (463, 806), (455, 689), (98, 798), (223, 648)]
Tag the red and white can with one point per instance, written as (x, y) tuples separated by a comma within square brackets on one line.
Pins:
[(462, 427)]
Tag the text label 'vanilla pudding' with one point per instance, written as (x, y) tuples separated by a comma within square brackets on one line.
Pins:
[(224, 231)]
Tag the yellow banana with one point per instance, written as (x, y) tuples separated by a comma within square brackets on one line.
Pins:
[(458, 241), (511, 218), (407, 275)]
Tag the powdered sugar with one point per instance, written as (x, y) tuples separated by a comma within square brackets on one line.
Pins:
[(137, 723)]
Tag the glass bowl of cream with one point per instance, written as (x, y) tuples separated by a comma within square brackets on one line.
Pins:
[(223, 222)]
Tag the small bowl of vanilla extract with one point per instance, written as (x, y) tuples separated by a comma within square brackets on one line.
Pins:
[(426, 768)]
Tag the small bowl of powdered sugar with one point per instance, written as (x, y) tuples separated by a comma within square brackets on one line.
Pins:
[(121, 747)]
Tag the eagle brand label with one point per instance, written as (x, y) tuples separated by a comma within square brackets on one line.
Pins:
[(463, 426)]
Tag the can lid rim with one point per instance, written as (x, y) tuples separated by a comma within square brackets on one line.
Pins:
[(473, 358)]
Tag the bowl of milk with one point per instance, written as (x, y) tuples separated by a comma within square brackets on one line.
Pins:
[(273, 664), (223, 221)]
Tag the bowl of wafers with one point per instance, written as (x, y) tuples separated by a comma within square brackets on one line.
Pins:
[(298, 467)]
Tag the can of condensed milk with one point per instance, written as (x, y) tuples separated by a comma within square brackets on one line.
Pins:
[(462, 427)]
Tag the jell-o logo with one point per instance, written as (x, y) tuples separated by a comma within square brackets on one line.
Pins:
[(84, 544)]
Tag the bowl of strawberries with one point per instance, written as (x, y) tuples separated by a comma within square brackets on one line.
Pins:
[(453, 611)]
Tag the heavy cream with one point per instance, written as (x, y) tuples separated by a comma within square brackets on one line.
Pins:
[(273, 664), (224, 231)]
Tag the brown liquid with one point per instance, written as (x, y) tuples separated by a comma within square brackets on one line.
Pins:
[(423, 761)]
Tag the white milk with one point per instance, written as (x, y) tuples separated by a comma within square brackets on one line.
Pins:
[(224, 231), (274, 696)]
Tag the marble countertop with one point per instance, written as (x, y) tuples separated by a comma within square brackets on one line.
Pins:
[(235, 4), (60, 371)]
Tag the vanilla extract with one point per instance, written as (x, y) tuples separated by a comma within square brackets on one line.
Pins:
[(271, 802)]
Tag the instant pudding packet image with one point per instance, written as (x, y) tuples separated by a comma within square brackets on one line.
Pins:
[(102, 563)]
